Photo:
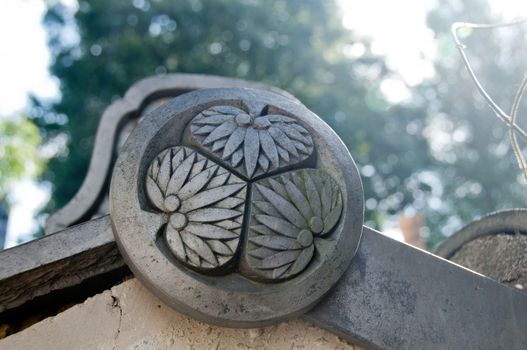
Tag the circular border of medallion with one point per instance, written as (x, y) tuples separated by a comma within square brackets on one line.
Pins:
[(236, 285)]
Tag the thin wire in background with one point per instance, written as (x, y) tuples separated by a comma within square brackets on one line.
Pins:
[(510, 120)]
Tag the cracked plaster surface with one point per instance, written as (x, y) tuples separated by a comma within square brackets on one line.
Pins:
[(129, 317)]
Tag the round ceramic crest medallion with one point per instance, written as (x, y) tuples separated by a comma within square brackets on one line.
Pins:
[(238, 207)]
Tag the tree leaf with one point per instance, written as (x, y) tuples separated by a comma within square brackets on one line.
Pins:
[(262, 229), (212, 214), (199, 246), (313, 196), (276, 242), (325, 198), (300, 128), (219, 145), (195, 184), (231, 110), (154, 168), (218, 180), (234, 141), (302, 261), (277, 186), (279, 272), (281, 138), (262, 252), (299, 200), (209, 231), (175, 243), (278, 225), (230, 202), (164, 171), (331, 219), (177, 158), (180, 175), (237, 158), (294, 134), (228, 224), (221, 131), (263, 162), (280, 118), (251, 149), (219, 247), (217, 119), (154, 194), (204, 130), (269, 147), (283, 206), (198, 167), (193, 258), (279, 259), (283, 154), (300, 146), (267, 208), (207, 197)]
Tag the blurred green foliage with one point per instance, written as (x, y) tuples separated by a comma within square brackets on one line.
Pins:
[(443, 154), (19, 153), (298, 45), (469, 145)]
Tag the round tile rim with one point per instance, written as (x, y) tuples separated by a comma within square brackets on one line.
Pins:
[(186, 290), (490, 224)]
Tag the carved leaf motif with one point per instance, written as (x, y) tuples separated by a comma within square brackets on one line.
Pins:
[(205, 204), (254, 145), (289, 212)]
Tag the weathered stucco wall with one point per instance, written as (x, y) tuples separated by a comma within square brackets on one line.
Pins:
[(129, 317)]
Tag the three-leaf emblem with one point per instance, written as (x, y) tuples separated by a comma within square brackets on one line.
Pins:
[(289, 215)]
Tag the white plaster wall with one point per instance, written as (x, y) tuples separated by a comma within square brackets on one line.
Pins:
[(129, 317)]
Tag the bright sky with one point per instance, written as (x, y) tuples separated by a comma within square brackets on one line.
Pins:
[(397, 28), (24, 59), (399, 32), (23, 54)]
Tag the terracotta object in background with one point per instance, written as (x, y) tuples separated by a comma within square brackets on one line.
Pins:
[(411, 226)]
